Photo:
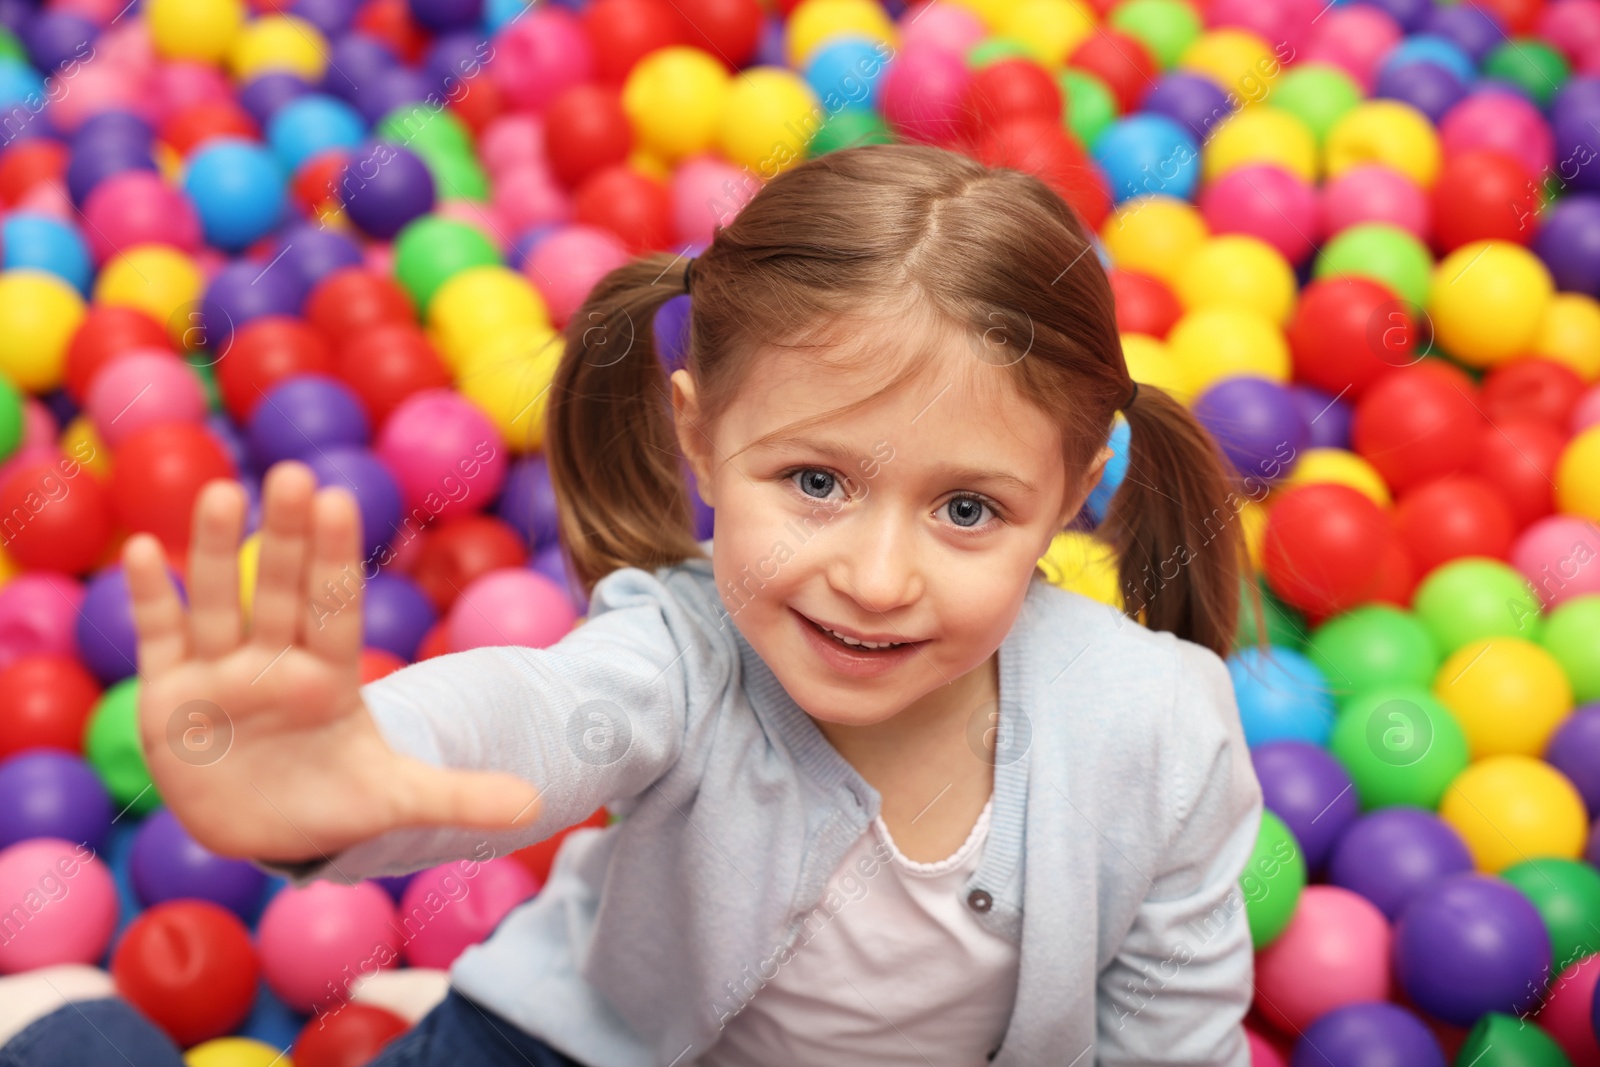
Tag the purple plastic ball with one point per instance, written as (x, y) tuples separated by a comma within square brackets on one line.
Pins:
[(441, 16), (393, 88), (56, 39), (374, 488), (528, 502), (15, 15), (1574, 750), (1569, 242), (549, 562), (302, 415), (384, 187), (165, 863), (241, 292), (105, 627), (1192, 101), (1368, 1034), (1428, 87), (1391, 854), (395, 884), (97, 162), (1575, 121), (264, 96), (229, 436), (45, 793), (1327, 418), (396, 615), (1310, 791), (1472, 29), (704, 516), (1408, 13), (1469, 944), (1257, 423), (355, 60), (314, 253), (331, 17), (671, 332), (770, 43), (113, 128), (455, 58)]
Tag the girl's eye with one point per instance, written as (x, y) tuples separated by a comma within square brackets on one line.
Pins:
[(967, 511), (815, 482)]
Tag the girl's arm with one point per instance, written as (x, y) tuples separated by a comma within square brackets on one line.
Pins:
[(1180, 984)]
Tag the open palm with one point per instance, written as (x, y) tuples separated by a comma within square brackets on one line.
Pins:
[(255, 732)]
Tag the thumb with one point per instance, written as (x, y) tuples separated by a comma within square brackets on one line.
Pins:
[(482, 800)]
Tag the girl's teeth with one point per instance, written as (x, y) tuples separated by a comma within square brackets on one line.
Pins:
[(864, 644)]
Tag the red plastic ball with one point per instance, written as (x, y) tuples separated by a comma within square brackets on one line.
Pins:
[(727, 29), (1045, 150), (31, 163), (464, 549), (156, 475), (1121, 61), (538, 858), (1397, 574), (353, 300), (190, 967), (478, 102), (57, 516), (636, 208), (349, 1036), (1011, 89), (1516, 16), (1144, 304), (45, 702), (390, 22), (264, 352), (377, 662), (436, 642), (1323, 546), (585, 130), (1483, 195), (625, 31), (1415, 425), (315, 186), (1454, 516), (1518, 457), (1349, 332), (185, 130), (107, 331), (388, 363), (1538, 389)]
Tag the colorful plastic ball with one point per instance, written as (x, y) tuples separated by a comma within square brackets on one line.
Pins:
[(234, 1052), (67, 902), (160, 281), (1165, 27), (1335, 951), (38, 242), (317, 940), (237, 295), (1262, 135), (1044, 149), (396, 614), (1577, 475), (1234, 270), (387, 364), (1322, 547), (278, 42), (38, 616), (111, 745), (1453, 516), (1567, 1013), (1484, 195), (310, 125), (1509, 808), (463, 902), (303, 415), (1529, 65), (1256, 422), (263, 354), (850, 67), (1216, 343), (1482, 681), (1400, 745), (1571, 634), (528, 502), (1388, 132), (1145, 305), (1499, 119), (1384, 253), (1327, 418), (1426, 85), (1468, 599), (46, 793), (1374, 645), (459, 552), (385, 187), (194, 29), (1391, 854), (141, 389), (349, 303), (45, 699), (1148, 154), (39, 312), (1534, 389), (353, 1034), (1307, 788), (444, 453), (1368, 1035), (1317, 94), (134, 208), (586, 128), (675, 98), (768, 108), (1267, 203), (167, 864), (566, 264), (1347, 333), (188, 966), (1574, 750), (510, 606), (369, 481), (1154, 235), (430, 250), (1273, 880), (1567, 895), (1415, 425), (1193, 101), (1374, 193), (60, 516), (1568, 242), (158, 474), (238, 191), (1486, 301)]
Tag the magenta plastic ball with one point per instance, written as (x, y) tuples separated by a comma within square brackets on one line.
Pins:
[(512, 140), (1286, 23), (138, 207), (46, 793), (316, 942), (566, 264), (1573, 26), (61, 904), (1391, 854), (512, 606), (446, 455), (940, 26), (1266, 202), (179, 84), (448, 908), (39, 616), (1502, 120), (702, 181), (1560, 556), (539, 55), (1574, 750), (1586, 412), (1373, 192), (1355, 38), (165, 863), (527, 196), (141, 389), (922, 95)]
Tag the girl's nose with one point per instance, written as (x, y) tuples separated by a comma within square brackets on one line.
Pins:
[(876, 563)]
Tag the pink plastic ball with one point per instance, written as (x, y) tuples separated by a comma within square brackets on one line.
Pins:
[(142, 389), (1587, 65), (512, 140), (565, 265), (512, 606), (317, 941), (39, 616), (1335, 951), (448, 908), (1586, 412), (1262, 1054), (1570, 26), (539, 55), (921, 95), (1502, 120), (61, 904), (941, 27), (445, 453), (97, 87), (707, 193), (1284, 24), (1373, 192), (39, 428), (1552, 554), (526, 197), (127, 43), (48, 198), (183, 84), (1266, 202), (1354, 38), (1565, 1014), (378, 257), (483, 217), (98, 12), (136, 207)]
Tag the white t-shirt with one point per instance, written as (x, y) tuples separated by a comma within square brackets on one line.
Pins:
[(902, 974)]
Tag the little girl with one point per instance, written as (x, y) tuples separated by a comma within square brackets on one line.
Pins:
[(886, 796)]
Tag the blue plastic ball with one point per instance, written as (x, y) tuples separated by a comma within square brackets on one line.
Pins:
[(44, 243), (1148, 154), (1282, 696), (311, 125), (237, 188), (849, 71), (1115, 470)]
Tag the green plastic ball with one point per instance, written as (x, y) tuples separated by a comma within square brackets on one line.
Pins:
[(1400, 745), (1571, 634), (1567, 896), (993, 49), (849, 127), (426, 131), (1386, 254), (1090, 108), (431, 250), (111, 746), (1500, 1040), (11, 47), (1272, 881), (205, 369), (1375, 645), (1286, 627), (458, 176), (1472, 598), (11, 418), (1165, 27), (1531, 66), (1318, 95)]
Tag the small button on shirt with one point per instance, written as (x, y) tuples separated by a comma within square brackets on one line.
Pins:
[(902, 973)]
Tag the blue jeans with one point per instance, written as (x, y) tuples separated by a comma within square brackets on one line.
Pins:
[(94, 1032)]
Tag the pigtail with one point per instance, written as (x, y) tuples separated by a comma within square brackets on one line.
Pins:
[(1175, 524), (611, 444)]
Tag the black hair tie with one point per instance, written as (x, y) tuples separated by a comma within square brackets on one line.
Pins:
[(1128, 403), (688, 276)]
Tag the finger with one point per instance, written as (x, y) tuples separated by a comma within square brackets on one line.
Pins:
[(331, 626), (280, 576), (158, 617), (478, 800), (214, 620)]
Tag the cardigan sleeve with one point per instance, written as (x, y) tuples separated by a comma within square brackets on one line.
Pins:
[(1180, 984)]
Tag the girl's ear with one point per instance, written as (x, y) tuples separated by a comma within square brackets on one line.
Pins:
[(692, 439), (1091, 478)]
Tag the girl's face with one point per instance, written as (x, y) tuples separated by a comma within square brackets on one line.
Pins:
[(915, 520)]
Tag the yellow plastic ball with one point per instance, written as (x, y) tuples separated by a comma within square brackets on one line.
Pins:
[(509, 381), (1261, 135), (1509, 695), (1253, 520), (675, 98), (159, 281), (279, 42), (1081, 563), (813, 23), (1154, 235), (478, 304), (771, 116), (236, 1052), (1578, 476), (1513, 808), (1048, 29), (1487, 300), (249, 566), (1321, 466), (202, 30), (1215, 343), (650, 165), (1570, 333), (1388, 132), (1150, 363), (990, 12), (39, 313), (83, 445), (1238, 62), (1241, 272), (8, 567)]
